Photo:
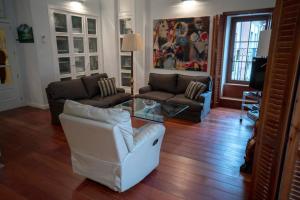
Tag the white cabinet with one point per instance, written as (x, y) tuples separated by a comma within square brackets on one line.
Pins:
[(77, 41)]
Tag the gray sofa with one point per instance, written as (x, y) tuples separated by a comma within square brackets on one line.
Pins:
[(84, 90), (171, 88)]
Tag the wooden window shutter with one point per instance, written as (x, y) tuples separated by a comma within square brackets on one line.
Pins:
[(277, 98), (290, 184), (217, 56)]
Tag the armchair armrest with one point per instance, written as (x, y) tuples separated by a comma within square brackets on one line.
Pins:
[(145, 89), (120, 90), (147, 132), (145, 155)]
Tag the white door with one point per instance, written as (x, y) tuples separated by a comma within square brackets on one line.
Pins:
[(9, 74)]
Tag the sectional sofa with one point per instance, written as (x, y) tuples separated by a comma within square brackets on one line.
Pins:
[(171, 88), (84, 90)]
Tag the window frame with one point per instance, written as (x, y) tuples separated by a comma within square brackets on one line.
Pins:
[(234, 19)]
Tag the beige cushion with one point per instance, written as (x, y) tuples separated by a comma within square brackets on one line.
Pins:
[(112, 116), (194, 89), (107, 87)]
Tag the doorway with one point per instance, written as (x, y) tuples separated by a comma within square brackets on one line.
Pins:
[(9, 73)]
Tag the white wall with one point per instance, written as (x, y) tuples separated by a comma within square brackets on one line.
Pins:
[(37, 58), (28, 58), (109, 15), (161, 9)]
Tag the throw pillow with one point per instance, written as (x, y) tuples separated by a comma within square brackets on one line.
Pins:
[(107, 87), (194, 89), (200, 91)]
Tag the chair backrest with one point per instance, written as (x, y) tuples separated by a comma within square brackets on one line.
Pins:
[(94, 139), (102, 133)]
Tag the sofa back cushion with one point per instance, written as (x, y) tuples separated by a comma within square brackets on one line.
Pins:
[(72, 89), (184, 80), (91, 84), (163, 82)]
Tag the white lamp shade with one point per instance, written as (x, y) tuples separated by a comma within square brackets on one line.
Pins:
[(263, 44), (132, 42)]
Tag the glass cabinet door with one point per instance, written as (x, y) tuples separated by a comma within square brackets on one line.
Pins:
[(126, 79), (60, 21), (126, 62), (91, 23), (79, 64), (94, 63), (92, 45), (77, 52), (125, 26), (78, 45), (76, 24), (62, 44), (64, 65)]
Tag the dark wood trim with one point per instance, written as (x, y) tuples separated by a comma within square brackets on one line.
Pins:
[(217, 51), (234, 20), (246, 12), (277, 101)]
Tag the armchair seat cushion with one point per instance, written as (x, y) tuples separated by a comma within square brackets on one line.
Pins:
[(156, 95), (195, 106)]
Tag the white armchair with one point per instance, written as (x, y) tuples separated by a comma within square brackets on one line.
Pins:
[(105, 147)]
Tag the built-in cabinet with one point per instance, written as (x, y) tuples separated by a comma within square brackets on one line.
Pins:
[(77, 40), (126, 26)]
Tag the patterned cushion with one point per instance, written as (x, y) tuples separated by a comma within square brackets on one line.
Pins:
[(194, 89), (107, 87), (202, 89)]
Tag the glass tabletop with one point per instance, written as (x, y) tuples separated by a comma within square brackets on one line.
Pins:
[(151, 110)]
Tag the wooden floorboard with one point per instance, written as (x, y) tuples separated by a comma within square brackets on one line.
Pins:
[(198, 160)]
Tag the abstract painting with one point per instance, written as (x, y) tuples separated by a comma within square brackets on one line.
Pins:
[(181, 43)]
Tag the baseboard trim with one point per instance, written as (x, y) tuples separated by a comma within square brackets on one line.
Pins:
[(40, 106)]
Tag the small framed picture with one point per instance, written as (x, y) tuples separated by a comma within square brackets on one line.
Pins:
[(25, 34)]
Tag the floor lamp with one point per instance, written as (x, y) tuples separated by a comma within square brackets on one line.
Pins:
[(132, 42)]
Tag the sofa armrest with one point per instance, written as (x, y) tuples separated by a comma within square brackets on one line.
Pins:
[(120, 90), (205, 99), (145, 89)]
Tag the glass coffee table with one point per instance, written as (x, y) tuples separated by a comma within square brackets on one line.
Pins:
[(152, 110)]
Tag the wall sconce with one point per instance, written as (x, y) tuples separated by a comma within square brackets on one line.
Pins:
[(76, 5)]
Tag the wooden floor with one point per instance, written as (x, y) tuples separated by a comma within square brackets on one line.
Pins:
[(198, 161)]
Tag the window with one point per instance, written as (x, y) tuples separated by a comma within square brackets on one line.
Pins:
[(243, 45)]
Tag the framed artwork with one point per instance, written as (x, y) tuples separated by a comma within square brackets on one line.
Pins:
[(181, 43), (25, 34)]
